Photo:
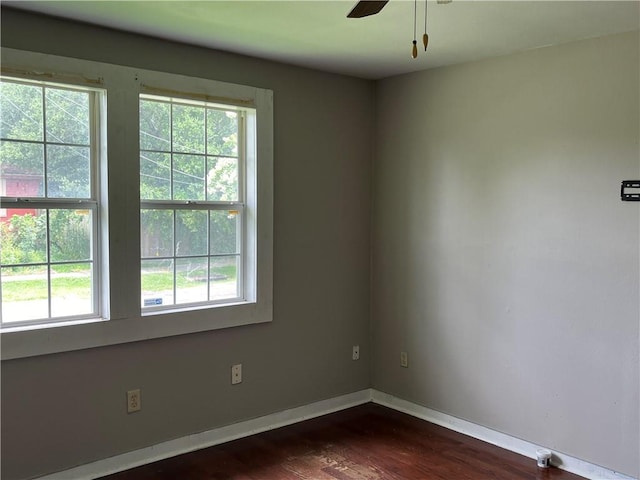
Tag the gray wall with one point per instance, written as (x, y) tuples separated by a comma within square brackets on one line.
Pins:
[(67, 409), (504, 262)]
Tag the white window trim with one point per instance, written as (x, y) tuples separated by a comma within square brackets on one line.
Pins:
[(124, 322)]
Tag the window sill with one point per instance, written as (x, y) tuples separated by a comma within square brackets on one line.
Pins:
[(22, 342), (152, 312), (40, 326)]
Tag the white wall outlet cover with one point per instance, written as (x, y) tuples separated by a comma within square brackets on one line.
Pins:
[(236, 374), (356, 352), (133, 401), (404, 360)]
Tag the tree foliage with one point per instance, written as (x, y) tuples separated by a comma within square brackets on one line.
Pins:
[(45, 153), (35, 118), (187, 152)]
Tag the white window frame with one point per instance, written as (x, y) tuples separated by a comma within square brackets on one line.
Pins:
[(122, 319), (96, 131), (246, 190)]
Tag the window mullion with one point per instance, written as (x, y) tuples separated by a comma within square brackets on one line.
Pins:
[(42, 203), (171, 151), (241, 158), (48, 254), (241, 237), (175, 260), (208, 254), (182, 205), (45, 150), (97, 275)]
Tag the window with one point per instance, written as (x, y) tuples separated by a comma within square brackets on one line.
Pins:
[(134, 204), (50, 215), (192, 192)]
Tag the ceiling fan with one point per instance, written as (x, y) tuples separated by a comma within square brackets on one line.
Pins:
[(364, 8)]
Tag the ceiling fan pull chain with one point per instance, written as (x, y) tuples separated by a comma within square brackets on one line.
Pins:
[(414, 50), (425, 37)]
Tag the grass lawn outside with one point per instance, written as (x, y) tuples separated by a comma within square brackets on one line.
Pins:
[(77, 284)]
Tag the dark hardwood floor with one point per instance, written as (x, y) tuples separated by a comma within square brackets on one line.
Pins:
[(369, 442)]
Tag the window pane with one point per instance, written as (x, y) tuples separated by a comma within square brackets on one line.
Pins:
[(157, 282), (222, 132), (188, 129), (188, 177), (156, 233), (191, 280), (47, 253), (155, 176), (21, 110), (68, 172), (67, 116), (155, 126), (70, 237), (224, 277), (24, 293), (23, 236), (224, 232), (191, 232), (204, 166), (71, 289), (222, 179), (22, 169)]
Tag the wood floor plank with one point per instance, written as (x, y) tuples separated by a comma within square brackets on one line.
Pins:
[(369, 442)]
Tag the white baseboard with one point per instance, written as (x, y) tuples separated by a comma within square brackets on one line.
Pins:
[(220, 435), (528, 449), (209, 438)]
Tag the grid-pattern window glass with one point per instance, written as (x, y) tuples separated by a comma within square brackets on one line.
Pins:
[(49, 212), (192, 203)]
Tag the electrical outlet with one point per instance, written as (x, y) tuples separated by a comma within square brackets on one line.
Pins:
[(355, 355), (133, 401), (236, 374), (404, 360)]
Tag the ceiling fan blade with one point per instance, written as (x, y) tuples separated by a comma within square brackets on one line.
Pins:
[(364, 8)]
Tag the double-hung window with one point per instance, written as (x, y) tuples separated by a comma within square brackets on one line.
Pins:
[(192, 201), (49, 193), (129, 193)]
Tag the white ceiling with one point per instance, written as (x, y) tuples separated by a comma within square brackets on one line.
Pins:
[(318, 35)]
